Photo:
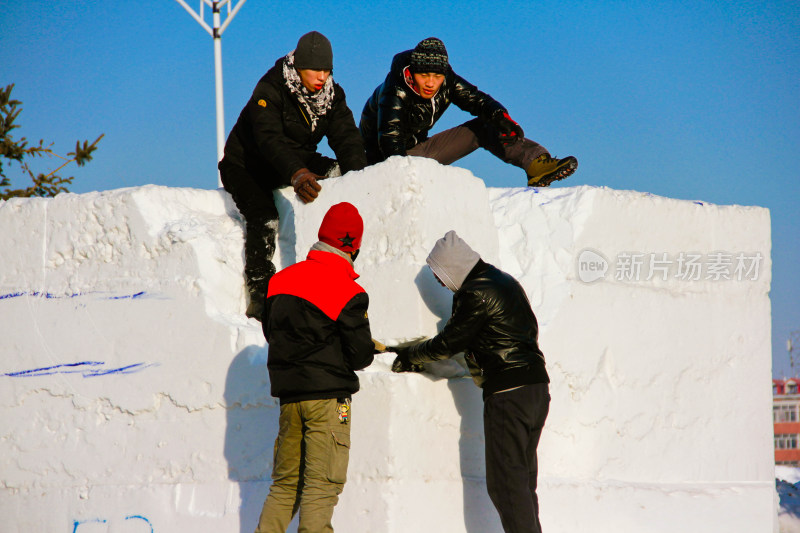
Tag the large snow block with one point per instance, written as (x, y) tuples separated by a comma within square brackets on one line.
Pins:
[(407, 203), (135, 396), (655, 322), (126, 363)]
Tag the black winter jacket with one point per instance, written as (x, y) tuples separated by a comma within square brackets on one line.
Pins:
[(494, 325), (272, 138), (396, 118), (315, 321)]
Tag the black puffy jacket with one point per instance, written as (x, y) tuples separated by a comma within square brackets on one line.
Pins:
[(396, 118), (494, 325), (315, 321), (272, 138)]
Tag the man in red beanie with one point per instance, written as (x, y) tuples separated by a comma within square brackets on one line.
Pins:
[(315, 321)]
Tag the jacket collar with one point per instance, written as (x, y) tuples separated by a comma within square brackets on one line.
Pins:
[(480, 267), (333, 260), (409, 79), (325, 247)]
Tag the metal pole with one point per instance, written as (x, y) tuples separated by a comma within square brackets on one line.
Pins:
[(218, 85), (216, 34), (195, 16)]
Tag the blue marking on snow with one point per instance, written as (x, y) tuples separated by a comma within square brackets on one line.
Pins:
[(88, 369), (49, 370), (128, 296), (11, 295), (34, 294), (76, 523), (130, 369), (140, 517), (37, 294)]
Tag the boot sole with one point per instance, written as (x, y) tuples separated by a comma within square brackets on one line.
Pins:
[(563, 172)]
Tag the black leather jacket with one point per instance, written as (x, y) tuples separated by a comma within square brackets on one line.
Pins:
[(494, 325), (396, 118)]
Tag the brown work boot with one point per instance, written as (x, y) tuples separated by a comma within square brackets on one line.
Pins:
[(544, 170)]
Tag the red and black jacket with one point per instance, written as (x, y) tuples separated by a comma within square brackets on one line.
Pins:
[(316, 324)]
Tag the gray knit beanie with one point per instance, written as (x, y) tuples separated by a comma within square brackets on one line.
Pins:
[(452, 259), (313, 52), (430, 55)]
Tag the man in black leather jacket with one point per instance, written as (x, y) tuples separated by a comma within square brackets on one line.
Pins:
[(493, 324), (418, 89)]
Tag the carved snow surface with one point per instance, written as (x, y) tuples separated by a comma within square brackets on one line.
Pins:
[(134, 395)]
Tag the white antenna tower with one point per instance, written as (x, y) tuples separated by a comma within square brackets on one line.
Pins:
[(216, 32)]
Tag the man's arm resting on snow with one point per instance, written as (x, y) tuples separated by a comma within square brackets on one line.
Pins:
[(464, 325), (354, 333)]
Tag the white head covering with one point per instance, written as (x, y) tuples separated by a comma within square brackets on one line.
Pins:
[(452, 259)]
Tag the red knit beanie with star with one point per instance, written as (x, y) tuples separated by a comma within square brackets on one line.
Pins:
[(342, 227)]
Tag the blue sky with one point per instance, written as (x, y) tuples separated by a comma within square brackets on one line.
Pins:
[(696, 100)]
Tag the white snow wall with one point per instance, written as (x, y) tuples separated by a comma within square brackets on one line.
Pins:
[(135, 399)]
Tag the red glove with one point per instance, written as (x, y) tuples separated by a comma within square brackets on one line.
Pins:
[(305, 185), (510, 131)]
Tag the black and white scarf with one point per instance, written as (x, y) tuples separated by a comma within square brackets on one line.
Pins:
[(315, 104)]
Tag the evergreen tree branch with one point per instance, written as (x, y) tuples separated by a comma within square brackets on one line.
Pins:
[(17, 150)]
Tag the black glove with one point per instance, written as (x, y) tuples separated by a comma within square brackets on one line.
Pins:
[(305, 185), (401, 362), (510, 131)]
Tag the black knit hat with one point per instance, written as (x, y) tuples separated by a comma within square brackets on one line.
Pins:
[(430, 55), (313, 52)]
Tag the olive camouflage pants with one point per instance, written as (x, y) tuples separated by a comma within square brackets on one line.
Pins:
[(310, 466)]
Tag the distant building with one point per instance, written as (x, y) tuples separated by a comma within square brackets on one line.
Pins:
[(786, 421)]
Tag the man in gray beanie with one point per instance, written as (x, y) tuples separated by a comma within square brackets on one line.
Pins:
[(420, 86), (493, 324), (274, 144)]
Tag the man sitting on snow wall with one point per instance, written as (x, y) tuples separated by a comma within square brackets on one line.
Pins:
[(493, 324), (417, 91), (274, 144)]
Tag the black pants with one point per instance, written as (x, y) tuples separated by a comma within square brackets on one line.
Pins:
[(257, 205), (451, 145), (512, 424)]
